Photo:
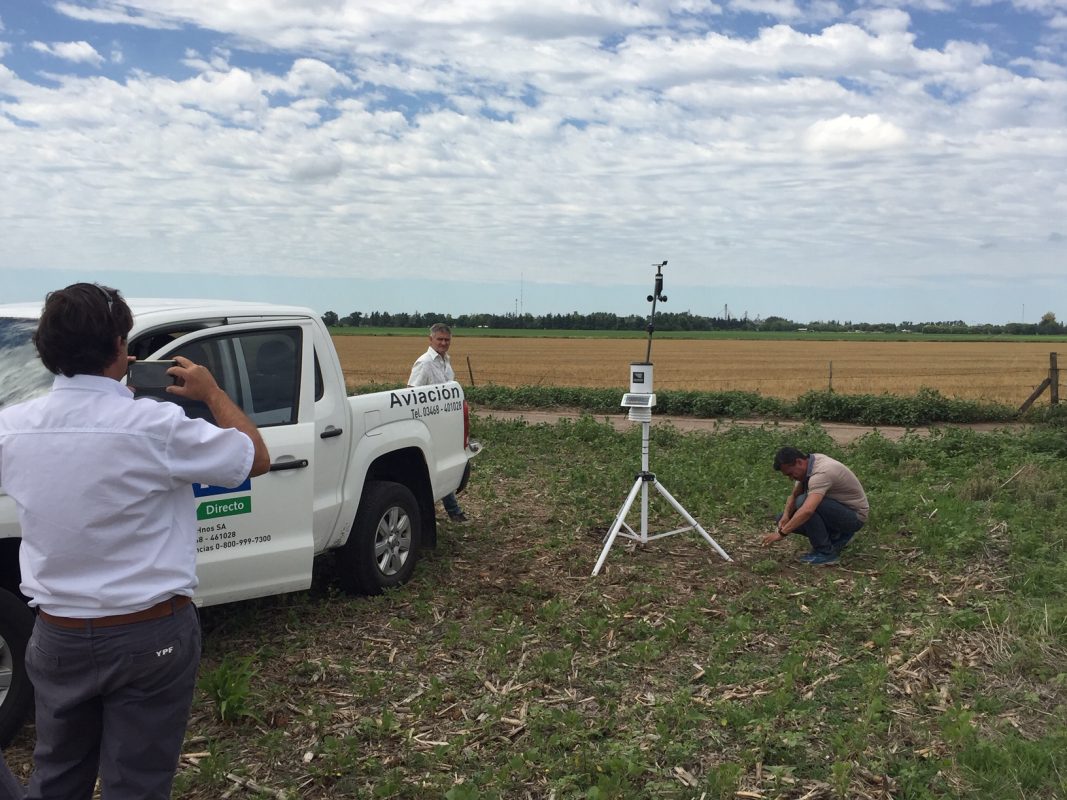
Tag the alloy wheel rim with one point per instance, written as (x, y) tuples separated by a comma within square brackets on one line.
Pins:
[(392, 541)]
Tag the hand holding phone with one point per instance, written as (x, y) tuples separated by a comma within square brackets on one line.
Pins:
[(150, 374)]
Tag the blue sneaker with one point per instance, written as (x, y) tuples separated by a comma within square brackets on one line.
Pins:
[(807, 557), (822, 559)]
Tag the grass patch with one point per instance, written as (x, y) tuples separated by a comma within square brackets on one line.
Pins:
[(930, 664), (927, 407)]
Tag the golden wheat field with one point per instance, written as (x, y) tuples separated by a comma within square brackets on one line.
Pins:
[(1005, 372)]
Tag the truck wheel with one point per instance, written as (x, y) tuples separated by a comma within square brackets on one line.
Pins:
[(16, 691), (384, 544)]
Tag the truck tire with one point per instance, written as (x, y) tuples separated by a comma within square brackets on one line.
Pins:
[(384, 544), (16, 691)]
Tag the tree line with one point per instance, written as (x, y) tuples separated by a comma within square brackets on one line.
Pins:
[(676, 321)]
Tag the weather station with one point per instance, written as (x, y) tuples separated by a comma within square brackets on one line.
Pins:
[(640, 401)]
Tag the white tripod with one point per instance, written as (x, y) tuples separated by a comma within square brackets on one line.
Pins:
[(641, 484)]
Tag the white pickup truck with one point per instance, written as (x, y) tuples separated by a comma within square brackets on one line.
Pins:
[(356, 475)]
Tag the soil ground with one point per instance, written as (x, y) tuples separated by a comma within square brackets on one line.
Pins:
[(504, 657)]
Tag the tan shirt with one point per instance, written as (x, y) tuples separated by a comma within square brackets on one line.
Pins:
[(833, 479)]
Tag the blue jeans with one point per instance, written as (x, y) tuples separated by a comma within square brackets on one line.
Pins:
[(451, 504), (830, 527)]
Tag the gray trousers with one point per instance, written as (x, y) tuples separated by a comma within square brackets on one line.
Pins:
[(113, 701), (10, 788)]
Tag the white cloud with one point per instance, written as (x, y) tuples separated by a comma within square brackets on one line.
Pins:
[(926, 5), (311, 77), (76, 52), (313, 167), (884, 20), (114, 13), (235, 95), (337, 23), (823, 11), (1048, 7), (1046, 70), (845, 134), (779, 9), (461, 138)]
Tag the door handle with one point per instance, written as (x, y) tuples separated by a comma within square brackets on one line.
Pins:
[(330, 432), (298, 463)]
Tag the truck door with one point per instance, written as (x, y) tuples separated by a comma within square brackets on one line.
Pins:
[(334, 431), (256, 539)]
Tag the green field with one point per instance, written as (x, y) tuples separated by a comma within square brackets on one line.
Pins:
[(931, 664)]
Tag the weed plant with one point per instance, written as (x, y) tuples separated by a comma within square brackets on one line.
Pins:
[(929, 664), (228, 686), (926, 407)]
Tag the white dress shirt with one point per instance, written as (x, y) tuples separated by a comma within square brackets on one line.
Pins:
[(103, 485), (431, 367)]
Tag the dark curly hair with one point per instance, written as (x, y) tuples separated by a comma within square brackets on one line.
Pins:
[(787, 455), (79, 325)]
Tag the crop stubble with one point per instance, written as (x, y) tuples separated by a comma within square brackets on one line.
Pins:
[(995, 371)]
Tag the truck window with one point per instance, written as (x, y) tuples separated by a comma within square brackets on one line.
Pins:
[(22, 375), (320, 386), (259, 370), (273, 376)]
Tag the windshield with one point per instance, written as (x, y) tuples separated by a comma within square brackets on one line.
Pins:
[(22, 375)]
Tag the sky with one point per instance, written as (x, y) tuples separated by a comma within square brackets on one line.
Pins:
[(877, 161)]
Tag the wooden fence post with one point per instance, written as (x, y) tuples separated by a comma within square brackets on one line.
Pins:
[(1054, 380), (469, 370), (830, 386), (1052, 383)]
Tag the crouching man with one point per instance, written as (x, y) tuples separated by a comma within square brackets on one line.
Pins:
[(827, 504)]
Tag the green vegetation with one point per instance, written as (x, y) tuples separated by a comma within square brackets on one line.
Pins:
[(930, 664), (227, 686), (927, 407)]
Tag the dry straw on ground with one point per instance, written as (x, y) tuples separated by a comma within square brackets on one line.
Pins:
[(1004, 372)]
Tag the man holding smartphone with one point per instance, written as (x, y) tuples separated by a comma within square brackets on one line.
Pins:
[(103, 485), (150, 374)]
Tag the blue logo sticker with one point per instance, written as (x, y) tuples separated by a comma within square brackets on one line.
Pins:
[(206, 490)]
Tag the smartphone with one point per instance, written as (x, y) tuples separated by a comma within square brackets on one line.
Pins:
[(150, 374)]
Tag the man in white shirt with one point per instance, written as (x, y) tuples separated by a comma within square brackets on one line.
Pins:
[(103, 486), (431, 367)]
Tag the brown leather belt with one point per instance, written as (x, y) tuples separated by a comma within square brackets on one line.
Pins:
[(164, 608)]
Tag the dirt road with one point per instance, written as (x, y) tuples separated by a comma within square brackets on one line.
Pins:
[(841, 433)]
